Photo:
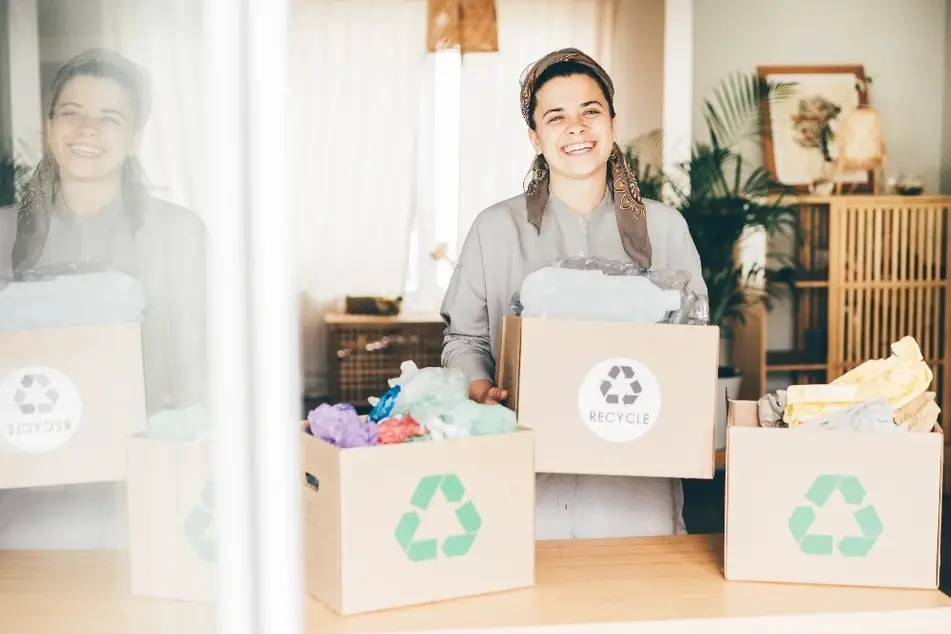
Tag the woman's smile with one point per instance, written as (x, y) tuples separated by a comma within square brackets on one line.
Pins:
[(85, 150), (579, 149)]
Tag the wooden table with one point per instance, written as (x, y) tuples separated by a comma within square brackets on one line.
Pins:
[(601, 586)]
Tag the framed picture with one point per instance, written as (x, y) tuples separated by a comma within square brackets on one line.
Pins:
[(798, 146)]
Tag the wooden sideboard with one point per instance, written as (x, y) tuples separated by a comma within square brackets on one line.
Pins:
[(872, 269)]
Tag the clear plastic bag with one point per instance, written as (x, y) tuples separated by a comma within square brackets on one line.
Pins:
[(69, 294), (611, 290)]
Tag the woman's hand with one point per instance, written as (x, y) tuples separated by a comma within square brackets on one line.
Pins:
[(482, 391)]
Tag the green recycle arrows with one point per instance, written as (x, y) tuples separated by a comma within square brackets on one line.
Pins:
[(198, 523), (818, 494), (452, 546)]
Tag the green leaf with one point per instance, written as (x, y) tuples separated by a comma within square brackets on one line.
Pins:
[(727, 196)]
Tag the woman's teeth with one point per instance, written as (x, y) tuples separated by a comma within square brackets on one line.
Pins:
[(577, 148), (85, 150)]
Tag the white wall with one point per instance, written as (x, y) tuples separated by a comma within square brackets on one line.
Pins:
[(901, 43), (639, 51), (6, 132), (946, 137), (21, 110)]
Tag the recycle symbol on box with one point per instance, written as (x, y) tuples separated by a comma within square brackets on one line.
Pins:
[(452, 546), (620, 379), (866, 517), (198, 525), (35, 394)]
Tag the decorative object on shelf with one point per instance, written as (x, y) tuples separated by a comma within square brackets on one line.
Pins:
[(909, 186), (375, 306), (471, 26), (860, 143), (440, 253), (799, 142), (726, 200)]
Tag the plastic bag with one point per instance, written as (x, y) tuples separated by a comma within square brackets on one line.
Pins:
[(69, 295), (438, 399), (610, 290)]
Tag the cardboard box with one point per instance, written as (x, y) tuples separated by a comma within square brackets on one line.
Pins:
[(397, 525), (172, 543), (614, 398), (831, 507), (69, 400)]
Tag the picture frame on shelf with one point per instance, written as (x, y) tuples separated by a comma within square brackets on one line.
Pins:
[(799, 132)]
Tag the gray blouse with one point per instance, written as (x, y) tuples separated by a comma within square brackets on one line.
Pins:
[(502, 248), (167, 255)]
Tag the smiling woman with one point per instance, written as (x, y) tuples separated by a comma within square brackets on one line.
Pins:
[(582, 201), (88, 202)]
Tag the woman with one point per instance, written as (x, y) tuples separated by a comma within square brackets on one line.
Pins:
[(582, 200), (88, 202)]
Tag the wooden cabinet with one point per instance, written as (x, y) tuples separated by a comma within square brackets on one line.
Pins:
[(873, 269)]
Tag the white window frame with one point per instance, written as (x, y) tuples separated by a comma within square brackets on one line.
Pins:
[(253, 318), (437, 208)]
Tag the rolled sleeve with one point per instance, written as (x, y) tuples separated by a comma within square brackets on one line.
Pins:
[(466, 341)]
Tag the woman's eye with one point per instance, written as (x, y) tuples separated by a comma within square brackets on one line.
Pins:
[(592, 112), (112, 120), (555, 119)]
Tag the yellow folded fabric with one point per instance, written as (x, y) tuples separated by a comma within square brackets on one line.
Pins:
[(900, 379)]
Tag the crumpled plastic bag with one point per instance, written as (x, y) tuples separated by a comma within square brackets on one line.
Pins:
[(340, 425), (64, 295), (438, 399), (771, 407), (610, 290), (426, 392)]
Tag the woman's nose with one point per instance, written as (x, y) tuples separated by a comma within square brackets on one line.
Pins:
[(577, 126), (88, 125)]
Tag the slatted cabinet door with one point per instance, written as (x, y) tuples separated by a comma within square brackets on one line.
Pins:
[(888, 278)]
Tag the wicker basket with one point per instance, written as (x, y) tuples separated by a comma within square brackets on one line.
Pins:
[(365, 352)]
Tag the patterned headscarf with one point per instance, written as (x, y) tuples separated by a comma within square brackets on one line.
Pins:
[(40, 190), (628, 205)]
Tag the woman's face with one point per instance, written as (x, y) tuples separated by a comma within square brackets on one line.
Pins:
[(92, 129), (574, 129)]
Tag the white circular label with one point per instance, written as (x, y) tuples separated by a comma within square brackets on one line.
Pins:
[(40, 409), (619, 400)]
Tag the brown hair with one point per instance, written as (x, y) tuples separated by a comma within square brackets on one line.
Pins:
[(566, 69)]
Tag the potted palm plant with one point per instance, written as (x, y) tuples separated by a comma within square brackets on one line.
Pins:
[(13, 175), (723, 197)]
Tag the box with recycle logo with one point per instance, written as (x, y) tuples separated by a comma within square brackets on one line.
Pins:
[(395, 525), (171, 502), (838, 507), (613, 398)]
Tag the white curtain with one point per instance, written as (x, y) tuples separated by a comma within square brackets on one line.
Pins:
[(495, 151), (356, 71), (164, 38)]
